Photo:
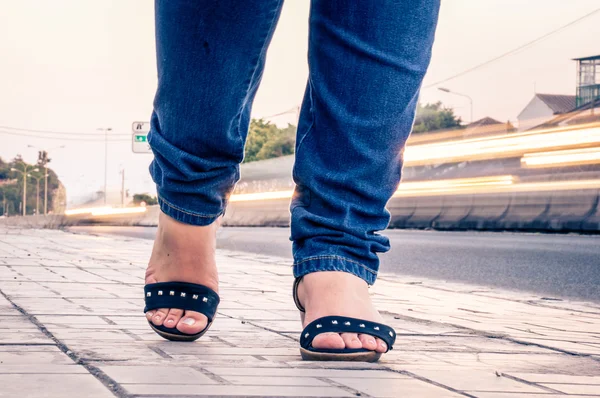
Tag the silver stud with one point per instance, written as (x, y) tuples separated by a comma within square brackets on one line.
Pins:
[(172, 293), (205, 299), (347, 323), (182, 294), (319, 326), (160, 292), (306, 335), (362, 325), (391, 334), (376, 328), (334, 322), (195, 297), (148, 294)]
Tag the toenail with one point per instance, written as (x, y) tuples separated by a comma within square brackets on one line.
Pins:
[(371, 341), (150, 314), (189, 321), (157, 317), (170, 321)]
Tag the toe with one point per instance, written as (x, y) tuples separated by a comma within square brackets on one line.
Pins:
[(329, 340), (351, 340), (149, 315), (192, 322), (368, 341), (173, 317), (159, 316), (381, 346)]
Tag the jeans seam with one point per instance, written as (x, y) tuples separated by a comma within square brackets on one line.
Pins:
[(262, 49), (312, 119), (335, 257), (172, 206)]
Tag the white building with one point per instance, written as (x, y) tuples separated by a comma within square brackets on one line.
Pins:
[(544, 107)]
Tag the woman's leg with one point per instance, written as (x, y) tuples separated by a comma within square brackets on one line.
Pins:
[(210, 57), (367, 60)]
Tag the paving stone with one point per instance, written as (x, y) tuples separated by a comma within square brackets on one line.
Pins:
[(41, 368), (519, 395), (582, 389), (52, 386), (276, 381), (557, 378), (156, 375), (402, 387), (230, 390), (477, 380)]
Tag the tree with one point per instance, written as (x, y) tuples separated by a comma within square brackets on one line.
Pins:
[(11, 188), (138, 198), (433, 117), (265, 141)]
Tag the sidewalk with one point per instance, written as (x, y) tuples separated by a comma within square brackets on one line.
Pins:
[(72, 325)]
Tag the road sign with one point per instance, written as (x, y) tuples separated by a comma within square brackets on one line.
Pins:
[(139, 138)]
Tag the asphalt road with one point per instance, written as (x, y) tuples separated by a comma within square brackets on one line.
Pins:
[(555, 266)]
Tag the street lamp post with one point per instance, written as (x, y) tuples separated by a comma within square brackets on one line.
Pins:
[(46, 175), (461, 95), (37, 197), (106, 130), (25, 175)]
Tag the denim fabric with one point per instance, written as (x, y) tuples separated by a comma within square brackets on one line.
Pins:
[(366, 59)]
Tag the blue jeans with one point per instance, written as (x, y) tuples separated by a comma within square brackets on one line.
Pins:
[(366, 59)]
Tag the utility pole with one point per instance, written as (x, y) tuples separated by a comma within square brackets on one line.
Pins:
[(25, 175), (37, 197), (106, 130), (123, 188), (43, 160)]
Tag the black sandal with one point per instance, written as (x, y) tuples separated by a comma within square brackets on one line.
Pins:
[(341, 324), (181, 295)]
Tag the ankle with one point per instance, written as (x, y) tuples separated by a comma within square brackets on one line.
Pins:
[(338, 283)]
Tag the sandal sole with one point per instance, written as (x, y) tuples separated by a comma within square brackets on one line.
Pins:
[(372, 356), (178, 337)]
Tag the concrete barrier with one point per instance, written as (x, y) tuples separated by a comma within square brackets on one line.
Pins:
[(51, 221), (427, 211), (524, 209), (272, 213), (568, 210), (454, 210), (486, 211), (401, 209)]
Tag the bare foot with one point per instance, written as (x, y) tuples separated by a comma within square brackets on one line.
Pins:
[(182, 253), (343, 294)]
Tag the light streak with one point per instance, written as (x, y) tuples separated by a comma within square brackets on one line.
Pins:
[(245, 197), (88, 210), (104, 211), (458, 186), (572, 157), (500, 146)]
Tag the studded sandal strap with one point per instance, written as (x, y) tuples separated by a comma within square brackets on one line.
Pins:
[(342, 324), (181, 295)]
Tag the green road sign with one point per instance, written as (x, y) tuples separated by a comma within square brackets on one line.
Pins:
[(141, 138)]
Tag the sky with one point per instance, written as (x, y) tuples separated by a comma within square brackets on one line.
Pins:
[(76, 66)]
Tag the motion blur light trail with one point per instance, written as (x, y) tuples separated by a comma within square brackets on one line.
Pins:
[(503, 146), (89, 210), (458, 186), (105, 211), (574, 157)]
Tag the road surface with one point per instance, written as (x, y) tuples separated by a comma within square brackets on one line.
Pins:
[(555, 266)]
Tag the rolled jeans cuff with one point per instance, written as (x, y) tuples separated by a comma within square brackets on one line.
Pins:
[(333, 263), (186, 216)]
